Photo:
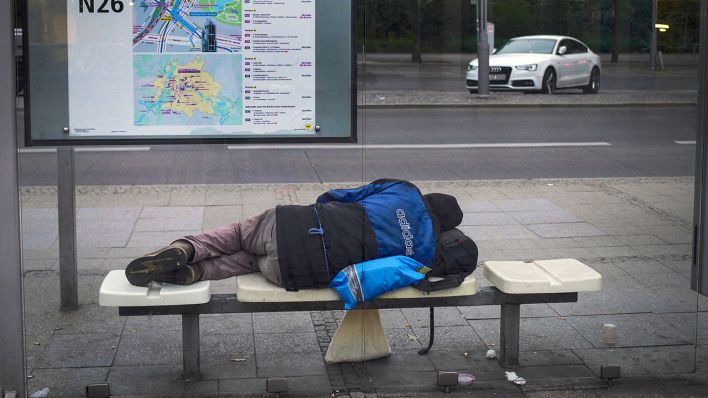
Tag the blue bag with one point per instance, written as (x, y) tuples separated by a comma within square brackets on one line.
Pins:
[(369, 279)]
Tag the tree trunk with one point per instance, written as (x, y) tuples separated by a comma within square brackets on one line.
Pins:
[(415, 24), (615, 32)]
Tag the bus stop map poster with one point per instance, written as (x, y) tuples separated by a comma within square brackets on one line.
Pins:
[(191, 67)]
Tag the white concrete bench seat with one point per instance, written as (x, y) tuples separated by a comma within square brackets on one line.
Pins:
[(514, 283), (542, 276), (254, 288), (116, 291)]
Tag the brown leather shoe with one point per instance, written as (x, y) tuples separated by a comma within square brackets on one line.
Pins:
[(152, 266), (186, 275)]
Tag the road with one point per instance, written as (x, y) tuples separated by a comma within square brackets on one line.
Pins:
[(448, 144)]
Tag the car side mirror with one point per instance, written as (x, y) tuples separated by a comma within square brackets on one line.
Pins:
[(562, 50)]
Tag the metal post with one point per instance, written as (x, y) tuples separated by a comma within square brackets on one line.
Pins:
[(616, 7), (652, 61), (699, 276), (68, 276), (509, 334), (190, 346), (12, 355), (482, 50)]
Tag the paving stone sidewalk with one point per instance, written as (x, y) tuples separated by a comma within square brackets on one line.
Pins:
[(569, 98), (636, 232)]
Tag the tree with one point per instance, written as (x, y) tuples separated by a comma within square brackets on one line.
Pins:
[(615, 31), (414, 6), (513, 18)]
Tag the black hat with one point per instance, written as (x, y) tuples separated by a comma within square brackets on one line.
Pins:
[(445, 208)]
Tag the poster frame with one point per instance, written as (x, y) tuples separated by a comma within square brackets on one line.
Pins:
[(30, 141)]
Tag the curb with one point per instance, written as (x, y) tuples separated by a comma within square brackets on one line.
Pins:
[(502, 105)]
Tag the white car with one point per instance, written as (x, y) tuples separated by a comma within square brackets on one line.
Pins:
[(540, 63)]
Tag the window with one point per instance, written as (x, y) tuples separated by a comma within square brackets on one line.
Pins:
[(576, 47), (567, 45), (525, 46)]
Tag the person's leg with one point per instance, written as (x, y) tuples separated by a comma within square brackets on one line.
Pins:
[(270, 268), (222, 267), (268, 264), (253, 234), (260, 253), (231, 249), (229, 239)]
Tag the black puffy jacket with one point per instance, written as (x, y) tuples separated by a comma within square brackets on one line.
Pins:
[(348, 226)]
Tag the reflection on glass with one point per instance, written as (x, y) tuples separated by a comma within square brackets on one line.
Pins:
[(604, 178)]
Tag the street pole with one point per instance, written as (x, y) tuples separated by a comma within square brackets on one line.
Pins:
[(482, 50), (66, 209), (12, 355), (652, 61), (699, 269)]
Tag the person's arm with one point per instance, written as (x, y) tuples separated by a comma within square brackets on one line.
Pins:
[(357, 194)]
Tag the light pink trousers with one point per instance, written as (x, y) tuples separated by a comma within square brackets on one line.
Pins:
[(239, 248)]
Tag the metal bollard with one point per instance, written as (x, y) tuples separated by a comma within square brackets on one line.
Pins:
[(447, 380), (98, 390), (276, 385), (609, 373)]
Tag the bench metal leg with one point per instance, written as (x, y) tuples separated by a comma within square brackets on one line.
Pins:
[(190, 346), (425, 350), (509, 334)]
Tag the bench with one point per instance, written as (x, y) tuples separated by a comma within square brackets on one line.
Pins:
[(514, 283)]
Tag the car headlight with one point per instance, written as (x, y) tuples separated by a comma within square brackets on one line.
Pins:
[(471, 67), (530, 67)]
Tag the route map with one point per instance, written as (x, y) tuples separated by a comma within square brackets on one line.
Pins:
[(186, 89), (161, 26), (199, 82)]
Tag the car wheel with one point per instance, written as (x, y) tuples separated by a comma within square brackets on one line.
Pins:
[(549, 82), (594, 84)]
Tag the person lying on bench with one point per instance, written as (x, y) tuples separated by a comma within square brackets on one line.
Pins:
[(301, 247)]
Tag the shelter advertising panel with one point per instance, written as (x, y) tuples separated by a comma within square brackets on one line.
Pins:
[(227, 70)]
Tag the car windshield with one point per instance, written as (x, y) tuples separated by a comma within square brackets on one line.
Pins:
[(525, 46)]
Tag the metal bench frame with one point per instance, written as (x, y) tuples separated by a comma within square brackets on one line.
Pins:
[(229, 304)]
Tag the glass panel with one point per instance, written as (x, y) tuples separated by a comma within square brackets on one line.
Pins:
[(604, 177), (574, 156), (132, 200)]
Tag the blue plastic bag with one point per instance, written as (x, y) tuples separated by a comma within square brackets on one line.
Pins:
[(365, 281)]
